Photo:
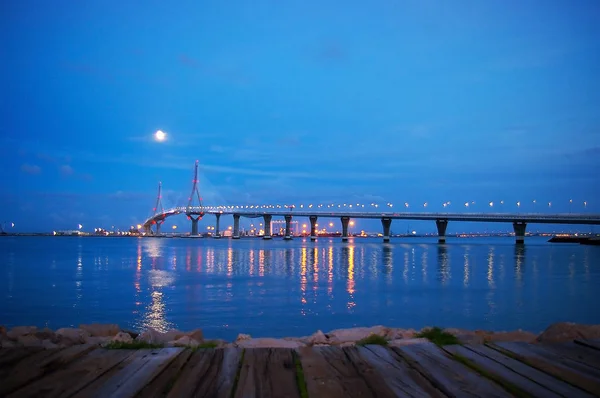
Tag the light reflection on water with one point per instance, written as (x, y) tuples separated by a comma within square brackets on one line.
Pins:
[(293, 288)]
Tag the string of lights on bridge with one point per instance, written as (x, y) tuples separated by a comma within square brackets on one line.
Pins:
[(406, 205)]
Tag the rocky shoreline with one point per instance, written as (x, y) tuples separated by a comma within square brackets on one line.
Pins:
[(111, 334)]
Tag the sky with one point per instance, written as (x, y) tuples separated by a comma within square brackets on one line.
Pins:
[(296, 102)]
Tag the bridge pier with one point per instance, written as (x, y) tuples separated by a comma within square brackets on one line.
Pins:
[(345, 222), (313, 228), (236, 226), (267, 219), (194, 225), (441, 227), (217, 226), (158, 225), (288, 227), (519, 227), (387, 223)]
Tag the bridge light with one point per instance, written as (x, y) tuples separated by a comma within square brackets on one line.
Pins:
[(331, 224), (139, 226)]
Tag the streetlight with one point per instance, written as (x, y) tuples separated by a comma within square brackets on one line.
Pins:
[(585, 205), (491, 204), (518, 206), (570, 203), (425, 204)]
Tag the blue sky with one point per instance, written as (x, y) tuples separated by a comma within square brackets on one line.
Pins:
[(295, 102)]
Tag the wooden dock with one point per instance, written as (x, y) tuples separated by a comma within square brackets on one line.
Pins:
[(419, 370)]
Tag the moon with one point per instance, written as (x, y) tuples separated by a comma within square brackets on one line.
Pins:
[(160, 135)]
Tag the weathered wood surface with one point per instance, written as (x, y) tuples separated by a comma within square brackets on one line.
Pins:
[(8, 356), (589, 343), (162, 384), (75, 376), (559, 366), (35, 366), (453, 378), (576, 352), (321, 378), (401, 379), (267, 373), (129, 377), (199, 376), (542, 378), (567, 370), (207, 373), (505, 375)]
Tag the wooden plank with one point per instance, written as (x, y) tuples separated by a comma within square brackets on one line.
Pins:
[(228, 373), (376, 383), (267, 373), (28, 360), (199, 376), (595, 344), (576, 352), (403, 380), (11, 355), (75, 376), (542, 378), (502, 372), (453, 378), (132, 374), (322, 379), (160, 385), (565, 369), (40, 364)]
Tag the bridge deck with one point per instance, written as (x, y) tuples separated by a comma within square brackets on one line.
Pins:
[(417, 370)]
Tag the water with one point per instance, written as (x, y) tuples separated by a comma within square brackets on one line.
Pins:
[(278, 288)]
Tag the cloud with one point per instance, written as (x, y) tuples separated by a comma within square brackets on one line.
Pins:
[(66, 170), (124, 195), (31, 169), (230, 74), (330, 52)]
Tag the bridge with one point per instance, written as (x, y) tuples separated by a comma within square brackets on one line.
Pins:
[(313, 213)]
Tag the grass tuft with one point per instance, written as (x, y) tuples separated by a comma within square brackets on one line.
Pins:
[(206, 344), (373, 339), (438, 337), (511, 388), (300, 381), (134, 345)]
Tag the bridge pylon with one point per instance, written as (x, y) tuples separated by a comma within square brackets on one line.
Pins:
[(195, 213), (158, 209)]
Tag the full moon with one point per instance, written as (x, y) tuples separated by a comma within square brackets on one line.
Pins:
[(160, 135)]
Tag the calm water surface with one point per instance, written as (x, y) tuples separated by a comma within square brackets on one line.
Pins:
[(278, 288)]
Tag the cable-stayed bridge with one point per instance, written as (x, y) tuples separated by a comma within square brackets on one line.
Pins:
[(344, 213)]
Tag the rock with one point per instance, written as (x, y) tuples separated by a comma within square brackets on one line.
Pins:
[(172, 335), (185, 341), (48, 344), (133, 335), (6, 343), (151, 336), (317, 338), (99, 340), (396, 334), (29, 341), (2, 331), (77, 336), (268, 343), (17, 331), (44, 334), (352, 335), (122, 337), (566, 331), (100, 329), (196, 335), (518, 335), (403, 342), (470, 338), (242, 336)]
